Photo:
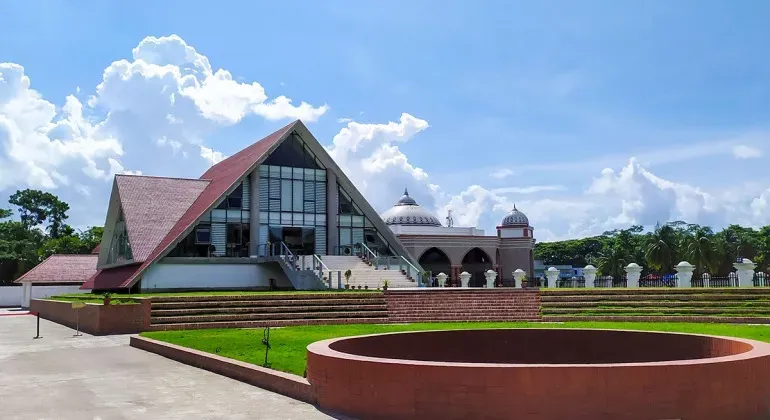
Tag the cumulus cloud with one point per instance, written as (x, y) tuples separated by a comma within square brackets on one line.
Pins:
[(211, 155), (531, 189), (370, 156), (746, 152)]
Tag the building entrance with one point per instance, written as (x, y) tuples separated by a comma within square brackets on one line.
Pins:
[(299, 240)]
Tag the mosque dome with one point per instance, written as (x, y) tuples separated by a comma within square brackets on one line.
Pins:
[(515, 218), (406, 211)]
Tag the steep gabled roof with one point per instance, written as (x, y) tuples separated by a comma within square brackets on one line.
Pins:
[(61, 268), (152, 206), (110, 278), (222, 178)]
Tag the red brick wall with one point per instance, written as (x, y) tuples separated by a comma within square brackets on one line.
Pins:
[(283, 383), (732, 387), (97, 319), (458, 304)]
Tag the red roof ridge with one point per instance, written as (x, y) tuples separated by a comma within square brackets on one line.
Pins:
[(163, 177)]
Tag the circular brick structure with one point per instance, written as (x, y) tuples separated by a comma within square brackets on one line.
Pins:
[(542, 374)]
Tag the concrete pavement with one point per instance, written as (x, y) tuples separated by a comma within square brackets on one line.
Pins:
[(75, 378)]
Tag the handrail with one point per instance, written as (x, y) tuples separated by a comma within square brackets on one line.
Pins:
[(373, 254), (419, 279), (321, 262)]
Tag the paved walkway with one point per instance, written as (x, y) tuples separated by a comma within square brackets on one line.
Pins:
[(83, 378)]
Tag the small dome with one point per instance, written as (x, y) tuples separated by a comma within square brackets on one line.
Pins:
[(406, 211), (515, 218), (633, 265)]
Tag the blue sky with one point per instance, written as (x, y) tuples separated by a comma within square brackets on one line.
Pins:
[(589, 115)]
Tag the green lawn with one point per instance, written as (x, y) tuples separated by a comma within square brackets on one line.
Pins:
[(289, 344)]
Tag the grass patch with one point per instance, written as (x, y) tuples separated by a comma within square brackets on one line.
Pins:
[(289, 345), (88, 298)]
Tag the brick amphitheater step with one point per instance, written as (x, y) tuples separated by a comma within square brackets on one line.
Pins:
[(740, 305), (256, 311)]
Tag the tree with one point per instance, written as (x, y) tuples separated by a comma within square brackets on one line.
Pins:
[(36, 207), (699, 249), (5, 213), (612, 261), (661, 251)]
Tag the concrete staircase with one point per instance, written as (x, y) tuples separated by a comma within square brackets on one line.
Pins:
[(457, 304), (741, 305), (364, 274), (268, 310)]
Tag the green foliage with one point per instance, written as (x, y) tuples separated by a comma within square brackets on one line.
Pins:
[(23, 244), (662, 248)]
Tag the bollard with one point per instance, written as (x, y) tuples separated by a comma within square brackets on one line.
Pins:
[(38, 327)]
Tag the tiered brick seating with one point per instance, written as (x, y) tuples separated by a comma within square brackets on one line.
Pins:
[(748, 305), (457, 304), (257, 311)]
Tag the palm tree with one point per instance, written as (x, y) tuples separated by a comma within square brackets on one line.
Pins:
[(661, 248), (700, 250), (611, 261)]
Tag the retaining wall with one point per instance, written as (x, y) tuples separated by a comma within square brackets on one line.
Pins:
[(97, 319)]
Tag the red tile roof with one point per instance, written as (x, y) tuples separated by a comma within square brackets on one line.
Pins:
[(60, 268), (152, 206), (110, 278), (222, 176)]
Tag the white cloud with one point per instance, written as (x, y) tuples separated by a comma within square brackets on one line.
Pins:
[(742, 151), (211, 155), (501, 173), (371, 158), (344, 120)]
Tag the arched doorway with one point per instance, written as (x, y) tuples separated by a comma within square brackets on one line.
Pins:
[(436, 261), (476, 262)]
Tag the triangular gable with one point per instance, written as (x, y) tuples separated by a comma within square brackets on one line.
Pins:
[(151, 206), (223, 178)]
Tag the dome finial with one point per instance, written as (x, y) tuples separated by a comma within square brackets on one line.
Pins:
[(514, 206), (406, 192)]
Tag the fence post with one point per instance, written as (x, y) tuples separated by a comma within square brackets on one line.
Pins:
[(745, 270), (684, 271), (633, 272), (589, 273), (552, 274)]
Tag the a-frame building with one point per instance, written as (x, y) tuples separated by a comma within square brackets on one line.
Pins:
[(234, 227)]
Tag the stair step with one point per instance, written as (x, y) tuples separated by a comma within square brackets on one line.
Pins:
[(263, 324), (277, 309), (265, 317)]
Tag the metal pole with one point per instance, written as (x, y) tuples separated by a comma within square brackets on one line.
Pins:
[(77, 323), (38, 327)]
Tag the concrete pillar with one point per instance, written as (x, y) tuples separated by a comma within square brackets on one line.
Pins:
[(684, 273), (254, 248), (633, 273), (518, 276), (465, 278), (745, 270), (332, 206), (491, 275), (552, 274), (589, 273), (26, 294), (441, 277)]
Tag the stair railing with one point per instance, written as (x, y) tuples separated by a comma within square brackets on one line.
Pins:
[(411, 270), (288, 257), (323, 268), (366, 253)]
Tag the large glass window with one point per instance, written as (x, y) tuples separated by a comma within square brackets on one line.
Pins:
[(355, 228), (120, 248)]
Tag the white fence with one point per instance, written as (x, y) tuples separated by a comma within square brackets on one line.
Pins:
[(14, 296)]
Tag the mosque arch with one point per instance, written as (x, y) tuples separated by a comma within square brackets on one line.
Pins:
[(476, 262), (436, 261)]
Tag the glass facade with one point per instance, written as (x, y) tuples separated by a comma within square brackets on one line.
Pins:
[(120, 248), (292, 199), (224, 231), (356, 228)]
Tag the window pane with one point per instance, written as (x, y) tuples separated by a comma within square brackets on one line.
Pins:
[(358, 221), (298, 173), (299, 219), (274, 218), (299, 196), (286, 219), (264, 170), (263, 217), (285, 172), (264, 193), (345, 236), (275, 205), (275, 188), (320, 219), (320, 175), (285, 195), (309, 219), (344, 220), (275, 171), (309, 174)]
